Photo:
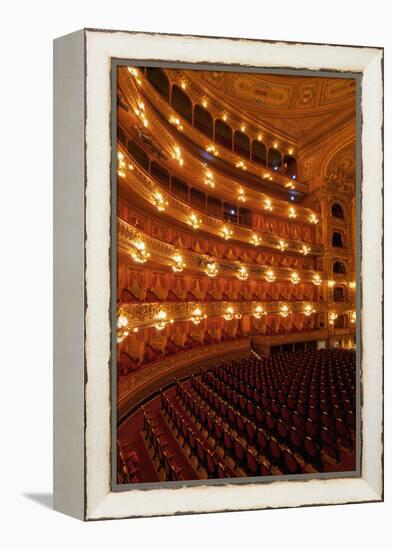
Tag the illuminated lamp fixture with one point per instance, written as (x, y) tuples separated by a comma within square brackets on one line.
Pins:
[(269, 276), (212, 149), (331, 284), (194, 221), (121, 165), (275, 144), (140, 112), (133, 71), (290, 151), (139, 255), (259, 312), (255, 240), (197, 316), (295, 278), (159, 201), (282, 245), (240, 164), (241, 196), (183, 84), (292, 212), (316, 280), (179, 263), (209, 178), (162, 319), (122, 328), (176, 122), (308, 310), (243, 128), (352, 284), (229, 313), (290, 185), (284, 310), (226, 233), (313, 218), (259, 138), (211, 269), (352, 316), (224, 117), (332, 317), (177, 155), (267, 204), (204, 103), (305, 249), (242, 273)]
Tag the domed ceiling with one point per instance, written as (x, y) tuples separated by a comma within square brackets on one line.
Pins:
[(300, 108)]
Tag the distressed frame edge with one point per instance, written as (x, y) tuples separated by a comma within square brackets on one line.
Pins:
[(69, 275), (374, 491)]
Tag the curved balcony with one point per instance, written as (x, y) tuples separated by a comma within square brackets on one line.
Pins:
[(163, 253), (228, 164), (144, 187)]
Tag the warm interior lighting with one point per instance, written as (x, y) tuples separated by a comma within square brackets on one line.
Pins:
[(255, 240), (331, 284), (162, 319), (176, 121), (230, 314), (270, 276), (332, 317), (259, 312), (352, 316), (267, 203), (179, 263), (282, 245), (183, 85), (292, 212), (242, 273), (212, 149), (240, 164), (211, 269), (139, 255), (133, 71), (316, 280), (241, 196), (290, 151), (204, 103), (308, 310), (176, 154), (194, 221), (284, 310), (226, 233), (313, 218), (224, 117), (275, 144), (197, 316), (352, 284), (305, 249), (259, 138), (295, 278), (243, 128), (122, 165), (209, 178), (290, 185), (122, 328), (159, 201)]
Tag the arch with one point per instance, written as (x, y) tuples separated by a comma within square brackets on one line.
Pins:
[(337, 211), (181, 103), (138, 154), (203, 121), (339, 267), (158, 80), (241, 144), (258, 152), (290, 166), (337, 240), (223, 134), (274, 159)]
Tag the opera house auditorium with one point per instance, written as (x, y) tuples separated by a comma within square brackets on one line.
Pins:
[(236, 275)]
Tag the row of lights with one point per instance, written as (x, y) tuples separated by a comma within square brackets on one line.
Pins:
[(140, 255), (161, 319)]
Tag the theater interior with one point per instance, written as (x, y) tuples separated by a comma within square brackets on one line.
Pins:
[(236, 274)]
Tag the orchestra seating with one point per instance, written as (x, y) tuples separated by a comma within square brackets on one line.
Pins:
[(290, 413)]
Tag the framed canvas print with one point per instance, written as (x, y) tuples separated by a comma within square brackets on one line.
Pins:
[(218, 274)]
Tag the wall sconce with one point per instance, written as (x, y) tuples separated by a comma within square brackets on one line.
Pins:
[(332, 317), (295, 278), (159, 202), (194, 221), (197, 316), (162, 319), (179, 263), (284, 310), (282, 245), (313, 218), (308, 310), (139, 255), (255, 240), (316, 280), (269, 276), (305, 249), (226, 233), (177, 155), (242, 273), (267, 203), (211, 269), (259, 312), (241, 196), (292, 212)]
